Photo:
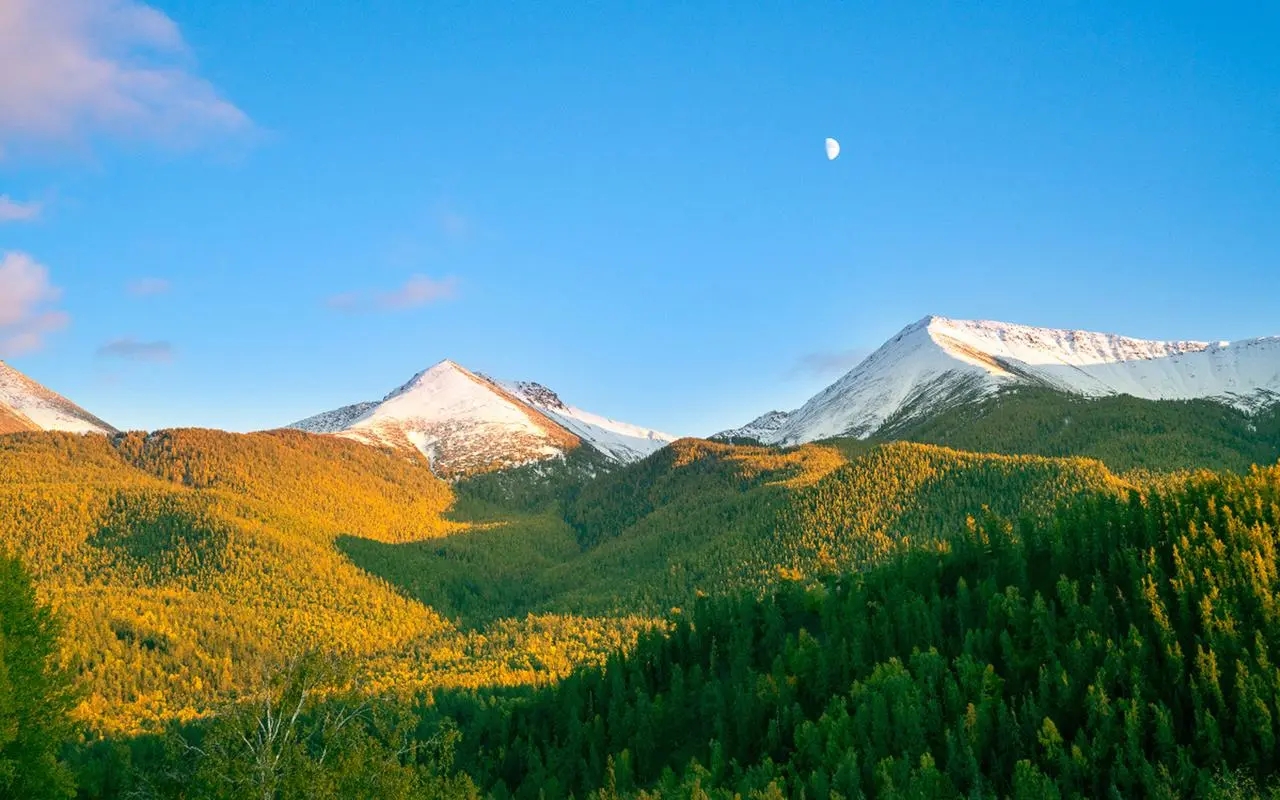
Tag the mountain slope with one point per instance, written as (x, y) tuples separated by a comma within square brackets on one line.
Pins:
[(27, 406), (189, 563), (705, 517), (1122, 431), (938, 363), (467, 423)]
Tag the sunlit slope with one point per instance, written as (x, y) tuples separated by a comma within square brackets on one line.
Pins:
[(803, 513), (1125, 432), (321, 486), (702, 517), (174, 595)]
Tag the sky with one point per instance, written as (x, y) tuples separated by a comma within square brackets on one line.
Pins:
[(238, 214)]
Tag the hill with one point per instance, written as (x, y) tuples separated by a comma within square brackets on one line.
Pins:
[(1123, 648), (1123, 431), (187, 563), (701, 517)]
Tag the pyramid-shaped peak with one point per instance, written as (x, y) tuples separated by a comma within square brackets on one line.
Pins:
[(441, 370)]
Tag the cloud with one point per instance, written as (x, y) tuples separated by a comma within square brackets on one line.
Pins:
[(454, 225), (419, 290), (149, 287), (13, 211), (416, 292), (25, 294), (829, 363), (134, 350), (70, 68), (347, 301)]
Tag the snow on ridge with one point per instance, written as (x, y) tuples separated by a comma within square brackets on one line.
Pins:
[(761, 428), (620, 441), (466, 422), (937, 362), (335, 420), (44, 408)]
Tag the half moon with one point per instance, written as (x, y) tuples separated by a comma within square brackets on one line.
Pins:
[(833, 149)]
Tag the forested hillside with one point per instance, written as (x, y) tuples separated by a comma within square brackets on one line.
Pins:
[(1123, 431), (707, 518), (191, 567), (1123, 648), (187, 563)]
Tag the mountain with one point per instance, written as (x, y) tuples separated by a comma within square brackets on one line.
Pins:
[(27, 406), (468, 423), (939, 363)]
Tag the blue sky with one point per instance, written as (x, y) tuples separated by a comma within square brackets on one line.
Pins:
[(236, 214)]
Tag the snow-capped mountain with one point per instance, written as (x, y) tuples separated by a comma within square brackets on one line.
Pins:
[(27, 406), (465, 423), (938, 362)]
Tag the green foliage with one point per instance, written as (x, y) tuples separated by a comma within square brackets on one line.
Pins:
[(709, 518), (35, 693), (1123, 431), (533, 488), (1124, 647), (704, 518)]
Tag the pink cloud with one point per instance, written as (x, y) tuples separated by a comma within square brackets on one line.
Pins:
[(69, 68), (149, 287), (417, 291), (25, 294), (13, 211)]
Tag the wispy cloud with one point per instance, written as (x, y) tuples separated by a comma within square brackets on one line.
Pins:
[(72, 68), (13, 211), (419, 290), (453, 224), (134, 350), (149, 287), (416, 292), (25, 297), (828, 363)]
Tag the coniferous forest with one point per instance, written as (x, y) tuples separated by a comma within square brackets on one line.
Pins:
[(199, 614)]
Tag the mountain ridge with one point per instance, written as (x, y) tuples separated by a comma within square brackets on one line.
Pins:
[(938, 363)]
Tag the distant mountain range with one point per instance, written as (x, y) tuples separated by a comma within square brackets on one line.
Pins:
[(938, 363), (465, 422)]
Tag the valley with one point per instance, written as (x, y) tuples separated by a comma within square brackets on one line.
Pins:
[(465, 553)]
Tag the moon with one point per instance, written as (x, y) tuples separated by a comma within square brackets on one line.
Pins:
[(833, 149)]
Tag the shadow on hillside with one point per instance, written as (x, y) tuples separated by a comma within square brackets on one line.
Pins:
[(476, 576)]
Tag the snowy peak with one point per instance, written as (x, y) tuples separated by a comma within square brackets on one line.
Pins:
[(429, 377), (939, 362), (27, 406), (466, 423), (1047, 346)]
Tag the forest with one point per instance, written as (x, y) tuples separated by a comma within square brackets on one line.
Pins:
[(193, 613)]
